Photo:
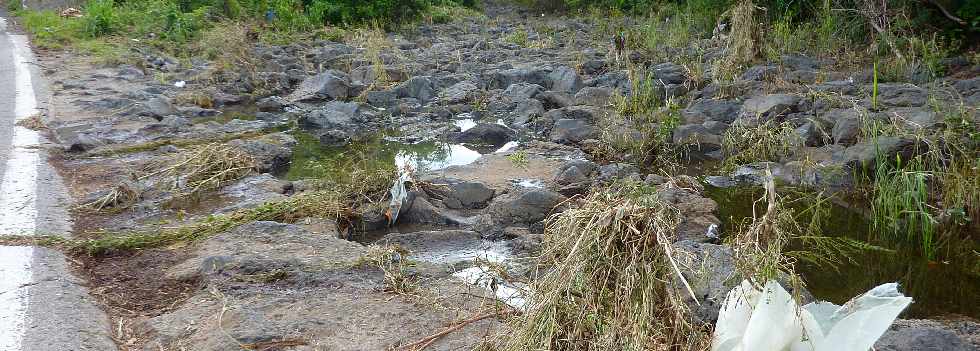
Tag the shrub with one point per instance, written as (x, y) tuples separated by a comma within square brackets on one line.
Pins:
[(100, 18)]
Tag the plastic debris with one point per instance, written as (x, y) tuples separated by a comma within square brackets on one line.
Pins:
[(180, 84), (770, 320), (398, 196)]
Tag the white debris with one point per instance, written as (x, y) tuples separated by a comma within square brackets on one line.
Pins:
[(180, 84), (770, 320), (398, 196), (513, 294)]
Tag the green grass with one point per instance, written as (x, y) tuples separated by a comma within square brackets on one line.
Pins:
[(900, 204)]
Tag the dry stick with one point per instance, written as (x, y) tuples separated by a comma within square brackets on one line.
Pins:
[(426, 341)]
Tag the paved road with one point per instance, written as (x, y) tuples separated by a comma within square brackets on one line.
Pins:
[(42, 306)]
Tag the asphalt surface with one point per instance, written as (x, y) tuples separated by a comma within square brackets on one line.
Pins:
[(43, 307)]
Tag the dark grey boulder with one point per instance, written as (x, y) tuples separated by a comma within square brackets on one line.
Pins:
[(614, 171), (572, 131), (555, 99), (271, 104), (329, 85), (846, 131), (332, 115), (420, 88), (616, 80), (158, 107), (487, 134), (272, 153), (458, 93), (864, 156), (565, 79), (522, 91), (770, 106), (925, 335), (759, 73), (574, 172), (696, 134), (842, 87), (536, 75), (901, 95), (710, 270), (526, 111), (460, 194), (711, 110), (669, 73), (526, 207), (592, 96), (587, 113)]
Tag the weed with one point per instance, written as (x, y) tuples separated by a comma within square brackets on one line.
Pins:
[(393, 261), (518, 37), (518, 158), (642, 98), (899, 206), (374, 41)]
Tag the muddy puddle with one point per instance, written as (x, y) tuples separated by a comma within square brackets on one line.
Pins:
[(948, 287)]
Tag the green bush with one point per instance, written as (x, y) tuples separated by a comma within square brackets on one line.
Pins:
[(100, 18), (361, 11)]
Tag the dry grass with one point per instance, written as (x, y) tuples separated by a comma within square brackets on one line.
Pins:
[(192, 173), (374, 42), (768, 141), (393, 261), (33, 122), (121, 197), (608, 281), (741, 47)]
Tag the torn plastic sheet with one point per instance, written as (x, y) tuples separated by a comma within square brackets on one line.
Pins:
[(398, 196), (770, 320)]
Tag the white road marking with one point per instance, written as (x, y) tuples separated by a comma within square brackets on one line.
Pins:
[(18, 202)]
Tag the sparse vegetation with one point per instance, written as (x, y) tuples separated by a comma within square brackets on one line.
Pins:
[(768, 141)]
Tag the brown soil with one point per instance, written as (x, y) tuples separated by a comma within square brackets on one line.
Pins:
[(133, 284)]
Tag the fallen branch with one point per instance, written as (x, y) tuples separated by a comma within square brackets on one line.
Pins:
[(427, 341)]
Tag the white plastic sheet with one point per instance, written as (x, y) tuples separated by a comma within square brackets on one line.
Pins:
[(398, 196), (770, 320)]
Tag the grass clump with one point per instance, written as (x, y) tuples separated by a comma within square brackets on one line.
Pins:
[(899, 205), (743, 144), (609, 282), (518, 37), (393, 261), (209, 167)]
